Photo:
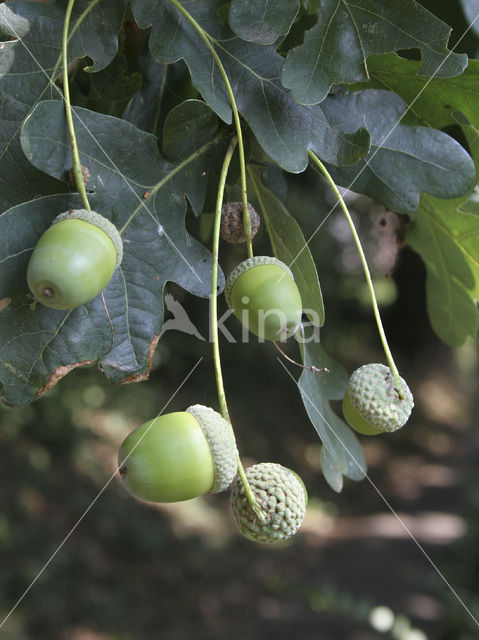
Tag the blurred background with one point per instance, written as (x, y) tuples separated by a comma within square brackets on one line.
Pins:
[(356, 571)]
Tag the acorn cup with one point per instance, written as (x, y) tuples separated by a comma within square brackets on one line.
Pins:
[(372, 405), (281, 494), (74, 259), (263, 295), (179, 456)]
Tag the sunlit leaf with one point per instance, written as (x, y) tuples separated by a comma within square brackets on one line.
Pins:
[(446, 235)]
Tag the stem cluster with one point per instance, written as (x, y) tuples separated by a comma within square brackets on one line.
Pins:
[(237, 141)]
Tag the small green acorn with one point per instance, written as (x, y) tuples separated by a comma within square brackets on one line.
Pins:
[(281, 494), (263, 295), (179, 456), (372, 405), (74, 259), (231, 227)]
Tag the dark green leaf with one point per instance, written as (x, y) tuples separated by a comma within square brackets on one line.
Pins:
[(404, 160), (112, 87), (164, 87), (295, 36), (284, 129), (273, 179), (23, 83), (187, 127), (290, 246), (337, 48), (447, 239), (344, 452), (144, 196), (26, 65), (172, 38), (262, 21), (142, 110), (96, 36), (38, 346)]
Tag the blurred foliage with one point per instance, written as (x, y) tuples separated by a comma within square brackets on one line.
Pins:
[(463, 571)]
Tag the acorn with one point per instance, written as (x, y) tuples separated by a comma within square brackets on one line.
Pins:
[(231, 227), (263, 295), (179, 456), (281, 494), (74, 259), (372, 404)]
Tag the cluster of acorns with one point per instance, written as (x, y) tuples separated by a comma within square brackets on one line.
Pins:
[(185, 454), (182, 455)]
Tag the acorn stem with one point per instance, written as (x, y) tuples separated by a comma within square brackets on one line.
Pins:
[(367, 273), (77, 172), (244, 190), (214, 283), (214, 322)]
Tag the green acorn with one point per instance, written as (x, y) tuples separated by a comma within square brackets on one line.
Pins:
[(179, 456), (74, 259), (281, 494), (263, 295), (372, 404)]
